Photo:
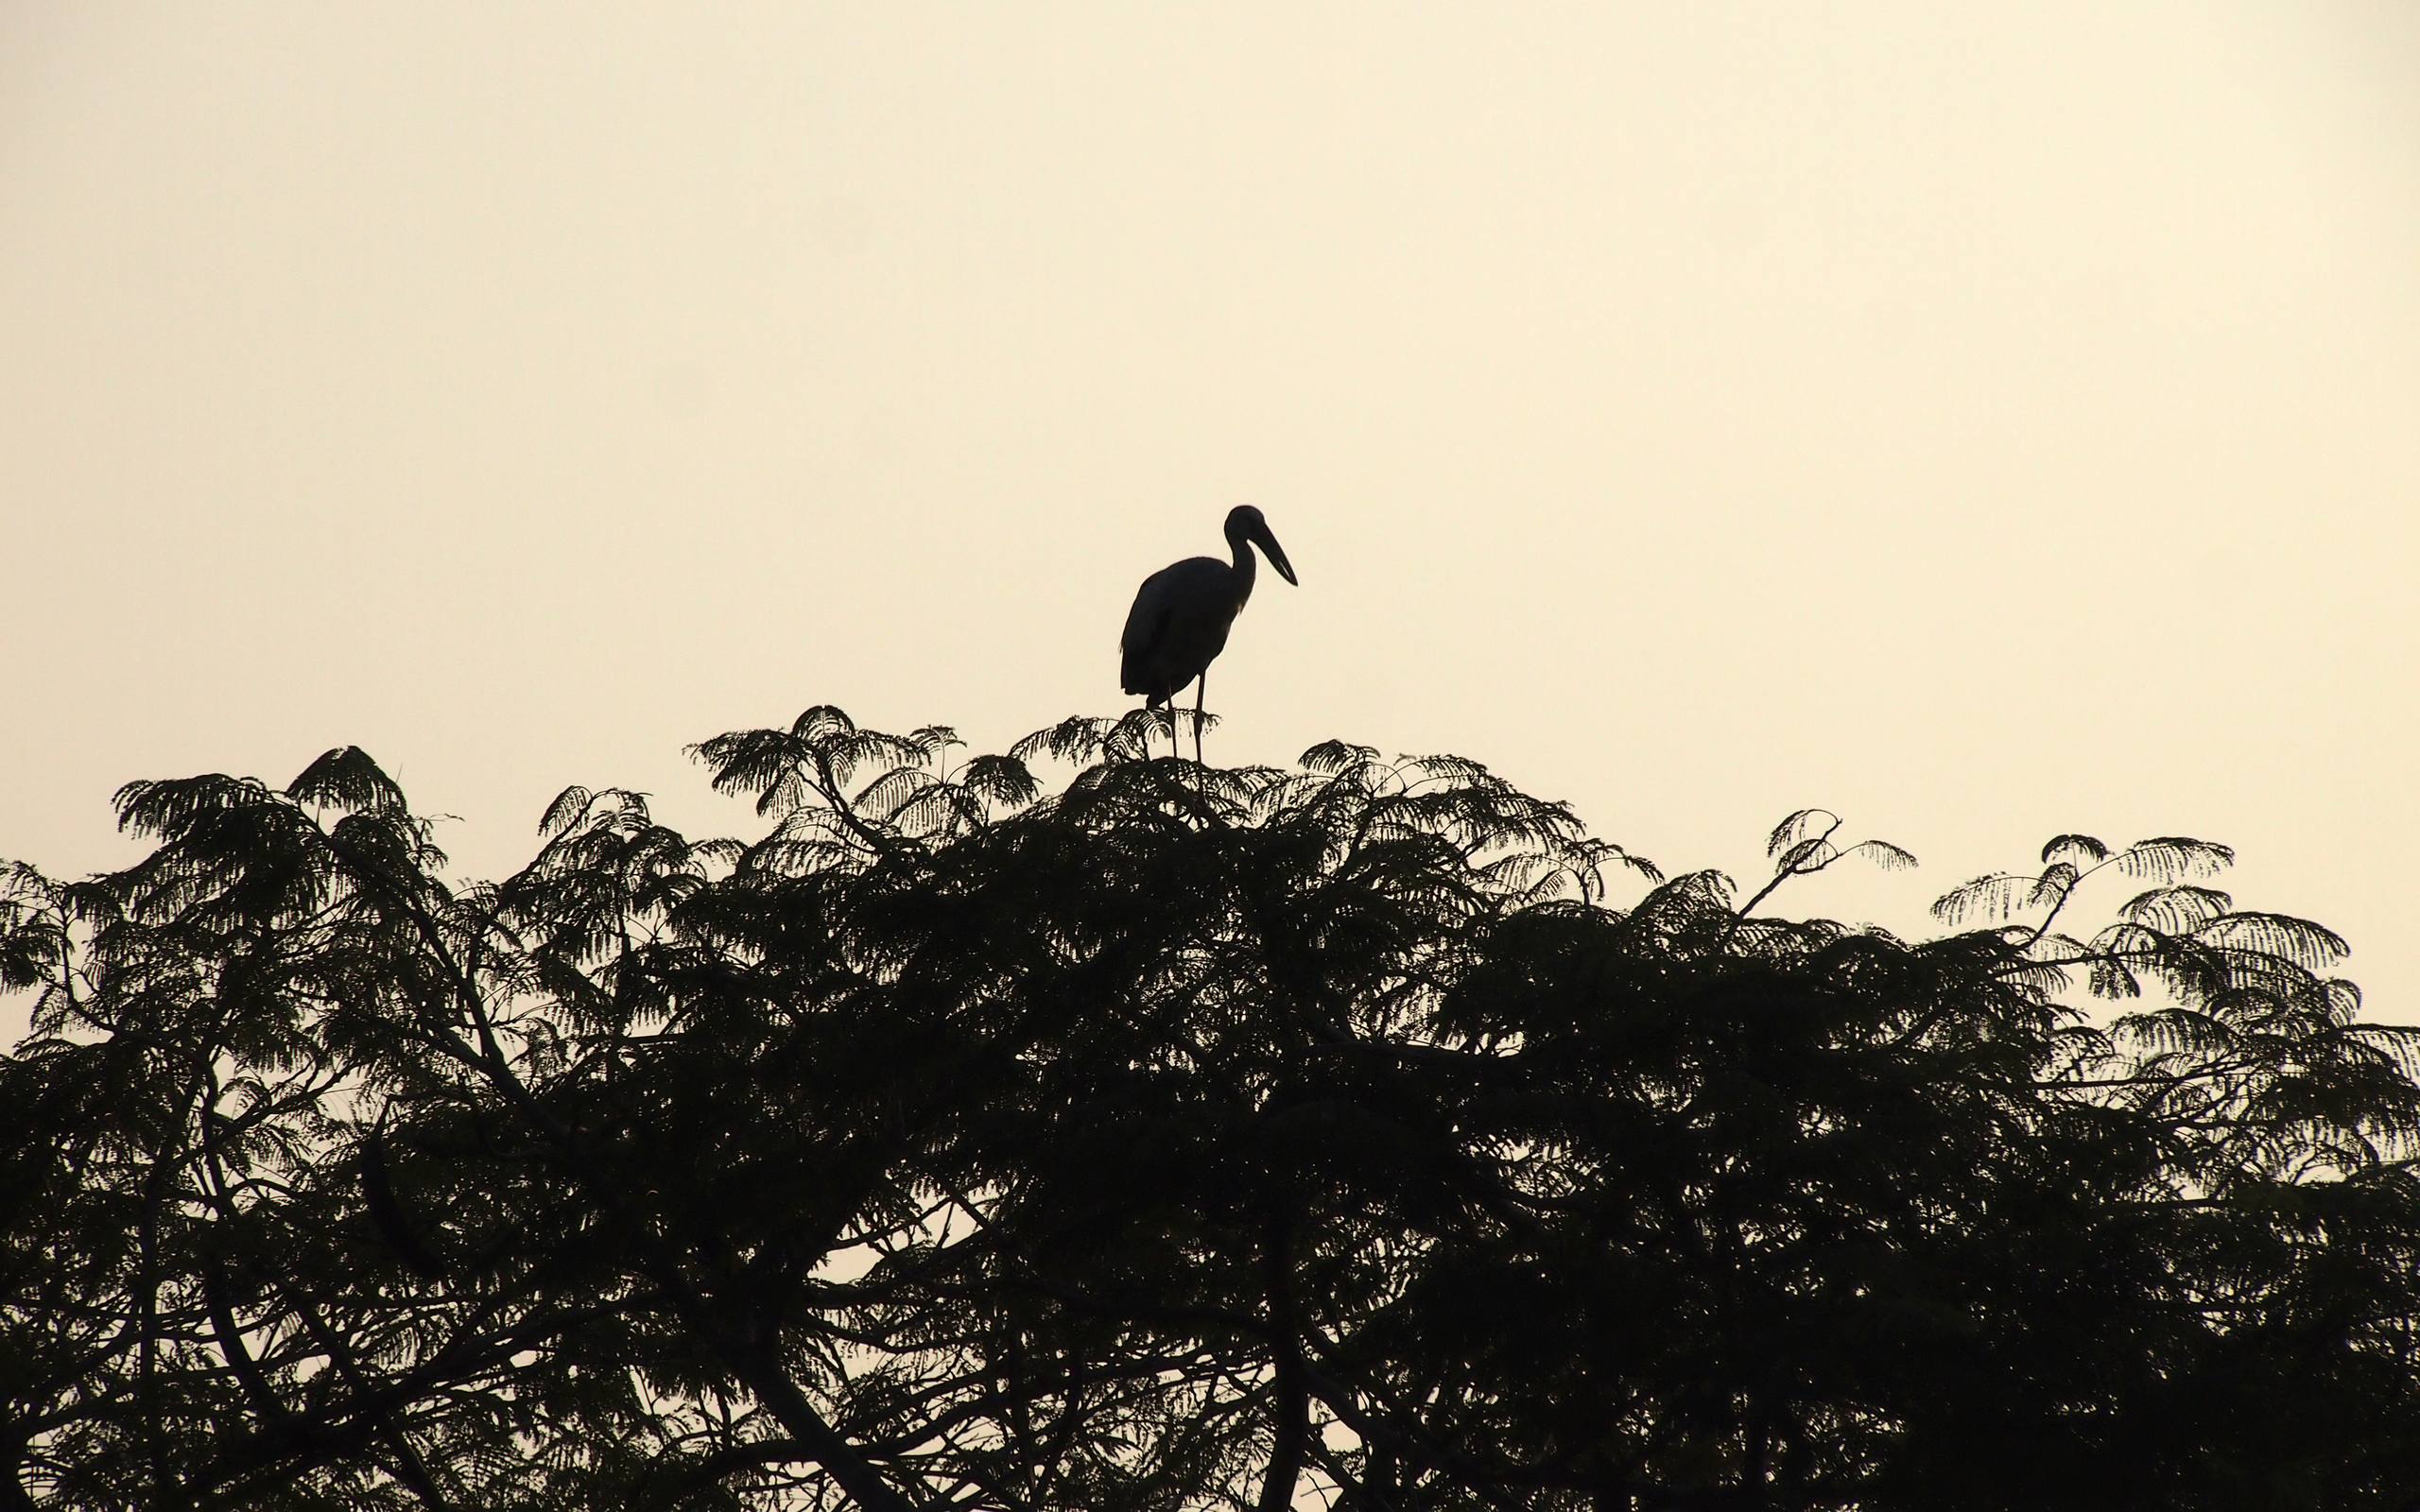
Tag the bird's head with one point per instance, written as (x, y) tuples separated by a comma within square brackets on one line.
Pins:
[(1244, 522)]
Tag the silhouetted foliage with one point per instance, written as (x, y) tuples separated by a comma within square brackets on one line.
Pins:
[(1180, 1137)]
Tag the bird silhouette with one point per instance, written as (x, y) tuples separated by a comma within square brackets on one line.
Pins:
[(1181, 613)]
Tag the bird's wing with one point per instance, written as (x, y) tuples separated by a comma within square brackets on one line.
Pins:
[(1145, 623), (1150, 612)]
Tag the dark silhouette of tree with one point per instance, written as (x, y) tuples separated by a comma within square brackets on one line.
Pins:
[(1183, 1138)]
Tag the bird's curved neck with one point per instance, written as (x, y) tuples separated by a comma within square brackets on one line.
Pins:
[(1247, 564)]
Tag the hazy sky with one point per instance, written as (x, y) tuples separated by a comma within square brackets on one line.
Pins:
[(1984, 420)]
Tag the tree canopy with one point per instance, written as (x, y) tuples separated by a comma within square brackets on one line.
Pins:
[(1174, 1138)]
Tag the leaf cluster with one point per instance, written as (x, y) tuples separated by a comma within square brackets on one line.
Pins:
[(1173, 1137)]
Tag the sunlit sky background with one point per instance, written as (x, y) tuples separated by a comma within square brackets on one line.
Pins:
[(1984, 420)]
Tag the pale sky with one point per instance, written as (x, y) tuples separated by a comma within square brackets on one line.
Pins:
[(1983, 421)]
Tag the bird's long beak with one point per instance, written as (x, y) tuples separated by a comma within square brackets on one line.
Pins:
[(1276, 554)]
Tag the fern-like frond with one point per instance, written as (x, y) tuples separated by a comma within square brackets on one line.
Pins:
[(2055, 945), (937, 811), (1640, 864), (2078, 849), (1996, 898), (1884, 854), (1080, 740), (1794, 829), (34, 938), (2344, 1000), (783, 855), (346, 777), (1129, 737), (1459, 771), (569, 808), (1597, 855), (2176, 910), (381, 848), (2174, 858), (1691, 912), (2052, 888), (1518, 873), (2109, 978), (2040, 982), (165, 808), (2178, 1029), (845, 753), (1331, 757), (1813, 853), (891, 792), (751, 763), (2309, 946), (1003, 781), (822, 722), (2398, 1042)]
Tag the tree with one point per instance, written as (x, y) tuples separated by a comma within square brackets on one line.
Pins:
[(1182, 1138)]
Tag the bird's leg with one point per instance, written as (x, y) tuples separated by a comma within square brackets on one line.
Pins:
[(1201, 691)]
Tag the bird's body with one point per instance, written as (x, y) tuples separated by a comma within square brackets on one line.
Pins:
[(1166, 648), (1182, 614)]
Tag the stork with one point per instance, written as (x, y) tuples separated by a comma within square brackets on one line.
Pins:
[(1181, 613)]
